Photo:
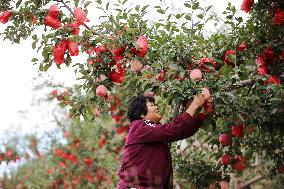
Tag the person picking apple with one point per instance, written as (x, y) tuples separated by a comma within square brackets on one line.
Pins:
[(146, 161)]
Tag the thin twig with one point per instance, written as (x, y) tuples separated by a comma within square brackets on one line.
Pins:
[(176, 110), (244, 83), (252, 181)]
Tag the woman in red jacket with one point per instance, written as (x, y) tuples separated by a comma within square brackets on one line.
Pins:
[(146, 161)]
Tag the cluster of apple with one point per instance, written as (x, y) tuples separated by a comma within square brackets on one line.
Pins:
[(8, 156), (238, 162), (196, 75), (61, 96)]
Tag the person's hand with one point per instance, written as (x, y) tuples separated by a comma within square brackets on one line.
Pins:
[(197, 102)]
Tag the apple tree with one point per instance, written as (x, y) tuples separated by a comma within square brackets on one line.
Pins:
[(173, 58)]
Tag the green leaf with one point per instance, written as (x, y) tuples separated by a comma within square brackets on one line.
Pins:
[(118, 10), (34, 60), (144, 8), (178, 16), (107, 5), (137, 7), (161, 11), (99, 2), (34, 45), (18, 3), (208, 8), (201, 16), (187, 5), (76, 2), (87, 4), (188, 16), (195, 5)]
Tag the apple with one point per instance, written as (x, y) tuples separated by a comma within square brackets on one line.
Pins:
[(206, 93), (239, 166), (224, 184), (101, 91), (96, 111), (238, 131), (225, 139), (136, 66), (149, 94), (196, 75), (281, 169), (225, 159)]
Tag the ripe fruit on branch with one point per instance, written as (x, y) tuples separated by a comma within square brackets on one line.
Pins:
[(230, 57), (73, 48), (101, 91), (196, 75), (224, 184), (135, 65), (54, 11), (4, 16), (243, 46), (247, 5), (238, 131), (280, 169), (80, 16), (142, 44), (149, 94), (96, 111), (161, 76), (208, 107), (207, 64), (52, 19), (239, 166), (225, 139), (226, 159), (206, 93)]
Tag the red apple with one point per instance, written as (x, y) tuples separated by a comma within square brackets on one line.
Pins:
[(9, 153), (101, 91), (238, 131), (102, 77), (196, 75), (96, 111), (224, 184), (239, 166), (135, 65), (54, 92), (208, 107), (225, 139), (225, 159), (281, 169), (206, 93), (149, 94)]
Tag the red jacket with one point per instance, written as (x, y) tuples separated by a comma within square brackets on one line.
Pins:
[(146, 161)]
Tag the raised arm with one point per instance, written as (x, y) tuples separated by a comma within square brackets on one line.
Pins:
[(183, 126)]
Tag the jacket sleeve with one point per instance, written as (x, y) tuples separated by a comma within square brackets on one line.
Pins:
[(182, 127)]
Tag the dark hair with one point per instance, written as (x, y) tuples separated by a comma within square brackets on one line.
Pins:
[(137, 107)]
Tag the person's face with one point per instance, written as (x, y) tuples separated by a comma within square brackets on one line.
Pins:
[(153, 113)]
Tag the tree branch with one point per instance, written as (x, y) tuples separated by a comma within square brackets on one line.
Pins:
[(176, 110), (244, 83), (250, 182)]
